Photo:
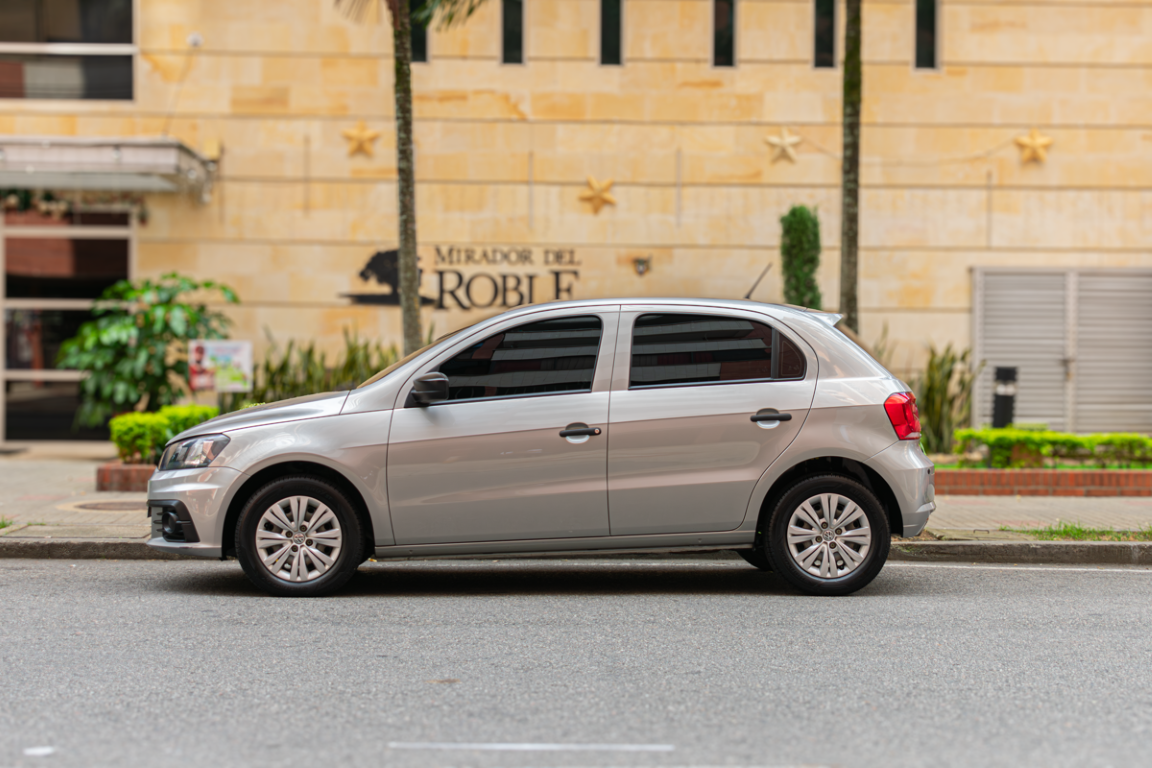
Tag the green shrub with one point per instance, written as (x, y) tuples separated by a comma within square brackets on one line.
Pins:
[(182, 417), (800, 256), (1118, 448), (139, 436), (944, 396)]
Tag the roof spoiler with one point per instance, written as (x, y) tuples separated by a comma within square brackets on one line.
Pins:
[(831, 318)]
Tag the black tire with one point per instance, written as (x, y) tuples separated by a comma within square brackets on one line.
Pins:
[(757, 557), (348, 555), (780, 554)]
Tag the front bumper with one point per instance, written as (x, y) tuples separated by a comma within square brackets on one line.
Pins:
[(200, 498)]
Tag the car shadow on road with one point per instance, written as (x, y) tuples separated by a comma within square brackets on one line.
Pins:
[(542, 578)]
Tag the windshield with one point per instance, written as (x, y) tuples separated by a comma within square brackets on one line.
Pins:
[(410, 356)]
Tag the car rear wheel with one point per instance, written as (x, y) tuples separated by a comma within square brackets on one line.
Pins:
[(299, 537), (828, 535)]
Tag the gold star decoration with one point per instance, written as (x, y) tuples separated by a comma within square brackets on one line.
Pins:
[(1033, 147), (783, 146), (360, 139), (598, 194)]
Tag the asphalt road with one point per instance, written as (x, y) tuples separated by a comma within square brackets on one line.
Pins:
[(683, 662)]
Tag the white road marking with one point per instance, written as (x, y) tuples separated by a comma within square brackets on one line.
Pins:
[(974, 567), (39, 751), (532, 747)]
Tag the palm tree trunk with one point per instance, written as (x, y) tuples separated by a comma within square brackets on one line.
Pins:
[(406, 176), (850, 178)]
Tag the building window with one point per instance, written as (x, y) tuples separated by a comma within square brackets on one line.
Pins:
[(512, 21), (926, 34), (611, 27), (825, 28), (724, 33), (419, 34), (66, 49)]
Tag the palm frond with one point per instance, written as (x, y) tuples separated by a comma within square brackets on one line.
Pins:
[(356, 10), (448, 13)]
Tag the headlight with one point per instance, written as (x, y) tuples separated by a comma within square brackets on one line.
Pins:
[(193, 452)]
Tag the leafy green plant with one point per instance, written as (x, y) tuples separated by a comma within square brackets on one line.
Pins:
[(944, 396), (800, 256), (1009, 448), (139, 436), (182, 417), (301, 370), (134, 350), (5, 522)]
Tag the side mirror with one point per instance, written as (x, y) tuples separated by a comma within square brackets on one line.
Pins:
[(430, 388)]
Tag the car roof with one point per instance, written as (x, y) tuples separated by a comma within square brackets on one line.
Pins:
[(828, 317)]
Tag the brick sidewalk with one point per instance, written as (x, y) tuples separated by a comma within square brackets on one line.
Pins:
[(991, 512), (57, 498)]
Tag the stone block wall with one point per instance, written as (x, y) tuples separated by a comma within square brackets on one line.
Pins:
[(504, 153)]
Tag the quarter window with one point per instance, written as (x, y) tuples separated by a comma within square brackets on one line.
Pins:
[(549, 356), (669, 350)]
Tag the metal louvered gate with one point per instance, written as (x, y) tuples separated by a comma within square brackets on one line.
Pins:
[(1080, 339), (1113, 371)]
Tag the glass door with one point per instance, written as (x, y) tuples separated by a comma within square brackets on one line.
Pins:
[(53, 267)]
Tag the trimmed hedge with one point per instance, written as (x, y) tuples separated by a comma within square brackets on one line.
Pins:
[(182, 417), (1014, 448), (139, 436)]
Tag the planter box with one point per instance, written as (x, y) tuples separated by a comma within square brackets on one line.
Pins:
[(1044, 482), (115, 476)]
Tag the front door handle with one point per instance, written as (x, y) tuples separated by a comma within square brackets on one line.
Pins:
[(579, 430), (771, 414)]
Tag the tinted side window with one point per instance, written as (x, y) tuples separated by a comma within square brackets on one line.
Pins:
[(549, 356), (672, 349)]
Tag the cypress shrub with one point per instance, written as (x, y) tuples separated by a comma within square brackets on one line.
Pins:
[(800, 256)]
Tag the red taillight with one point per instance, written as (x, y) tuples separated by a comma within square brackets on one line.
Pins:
[(901, 408)]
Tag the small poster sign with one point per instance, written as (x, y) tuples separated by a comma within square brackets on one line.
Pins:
[(220, 365)]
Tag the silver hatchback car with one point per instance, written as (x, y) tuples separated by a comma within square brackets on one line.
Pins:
[(670, 425)]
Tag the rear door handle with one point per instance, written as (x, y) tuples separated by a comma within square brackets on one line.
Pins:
[(769, 414), (579, 430)]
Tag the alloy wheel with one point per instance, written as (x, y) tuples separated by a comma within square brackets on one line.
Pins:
[(298, 539), (829, 536)]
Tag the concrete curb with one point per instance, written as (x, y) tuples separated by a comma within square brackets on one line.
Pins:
[(82, 549), (1051, 552)]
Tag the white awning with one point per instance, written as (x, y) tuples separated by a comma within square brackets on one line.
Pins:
[(62, 163)]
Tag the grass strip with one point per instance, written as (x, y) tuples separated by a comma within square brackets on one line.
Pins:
[(1065, 531)]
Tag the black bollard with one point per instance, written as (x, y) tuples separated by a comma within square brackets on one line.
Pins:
[(1004, 401)]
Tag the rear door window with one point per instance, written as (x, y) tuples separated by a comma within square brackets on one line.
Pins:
[(680, 349), (550, 356)]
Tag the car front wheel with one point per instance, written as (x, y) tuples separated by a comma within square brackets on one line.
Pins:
[(828, 535), (298, 537)]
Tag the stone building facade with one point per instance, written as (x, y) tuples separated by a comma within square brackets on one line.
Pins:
[(1024, 144)]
